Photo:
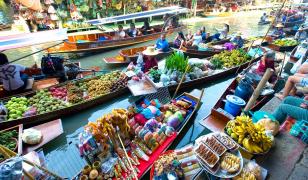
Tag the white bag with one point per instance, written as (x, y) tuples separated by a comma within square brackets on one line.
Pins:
[(296, 66)]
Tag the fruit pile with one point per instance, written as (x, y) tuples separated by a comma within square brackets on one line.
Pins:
[(230, 59), (59, 92), (44, 102), (251, 136), (285, 42), (74, 94), (16, 107)]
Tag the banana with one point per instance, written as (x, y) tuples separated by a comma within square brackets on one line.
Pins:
[(256, 148)]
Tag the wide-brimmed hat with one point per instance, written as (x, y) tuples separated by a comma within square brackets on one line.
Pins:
[(279, 25), (300, 28), (150, 51)]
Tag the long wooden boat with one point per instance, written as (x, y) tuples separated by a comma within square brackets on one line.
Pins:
[(218, 118), (291, 24), (100, 41), (128, 55), (145, 166), (48, 116), (281, 48), (194, 53)]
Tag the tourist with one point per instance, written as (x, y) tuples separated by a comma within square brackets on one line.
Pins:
[(300, 35), (189, 36), (179, 40), (162, 44), (120, 34), (197, 39), (297, 58), (10, 75), (300, 78), (263, 18), (283, 18), (149, 58), (132, 31), (208, 38), (278, 32), (238, 40), (203, 32), (224, 31), (267, 61), (294, 107), (146, 28)]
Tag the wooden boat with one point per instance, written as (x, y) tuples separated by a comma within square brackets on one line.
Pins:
[(218, 118), (41, 118), (99, 41), (49, 130), (46, 117), (145, 166), (194, 53), (281, 48), (291, 24), (128, 55), (264, 23)]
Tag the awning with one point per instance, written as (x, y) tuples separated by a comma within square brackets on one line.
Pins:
[(28, 39), (144, 14)]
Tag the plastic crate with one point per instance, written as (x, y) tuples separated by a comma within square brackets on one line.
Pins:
[(300, 130)]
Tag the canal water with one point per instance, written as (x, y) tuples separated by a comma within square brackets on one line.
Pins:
[(62, 155)]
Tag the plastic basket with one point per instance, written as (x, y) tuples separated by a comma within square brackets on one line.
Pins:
[(300, 130)]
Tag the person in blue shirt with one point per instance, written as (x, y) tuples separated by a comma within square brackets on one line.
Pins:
[(238, 40), (278, 32), (263, 18), (162, 44)]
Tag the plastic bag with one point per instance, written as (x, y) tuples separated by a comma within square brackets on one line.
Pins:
[(11, 169), (254, 168)]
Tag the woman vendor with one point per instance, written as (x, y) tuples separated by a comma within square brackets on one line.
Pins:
[(179, 41), (278, 32), (149, 58), (10, 75), (238, 40), (267, 61)]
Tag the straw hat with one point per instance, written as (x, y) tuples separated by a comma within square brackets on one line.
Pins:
[(150, 51), (300, 28), (279, 25)]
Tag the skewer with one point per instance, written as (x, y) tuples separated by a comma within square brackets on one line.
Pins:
[(125, 152)]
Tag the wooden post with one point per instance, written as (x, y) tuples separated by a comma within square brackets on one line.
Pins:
[(258, 90)]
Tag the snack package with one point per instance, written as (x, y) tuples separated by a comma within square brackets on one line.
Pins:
[(254, 168), (11, 168)]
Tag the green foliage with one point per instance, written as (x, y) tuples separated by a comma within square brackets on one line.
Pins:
[(176, 61), (155, 74)]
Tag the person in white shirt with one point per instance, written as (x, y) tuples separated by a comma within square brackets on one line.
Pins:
[(120, 33), (300, 35), (10, 75), (197, 39)]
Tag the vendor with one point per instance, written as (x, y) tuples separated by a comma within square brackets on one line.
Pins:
[(278, 32), (300, 35), (162, 44), (267, 61), (149, 58), (238, 40), (146, 28), (263, 18), (10, 75), (224, 31)]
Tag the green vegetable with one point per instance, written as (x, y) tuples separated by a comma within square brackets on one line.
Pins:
[(6, 139), (176, 61)]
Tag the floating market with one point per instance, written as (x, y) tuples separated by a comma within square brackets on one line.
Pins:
[(159, 90)]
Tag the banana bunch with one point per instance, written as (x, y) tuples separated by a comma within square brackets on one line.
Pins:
[(251, 136), (247, 176), (230, 163)]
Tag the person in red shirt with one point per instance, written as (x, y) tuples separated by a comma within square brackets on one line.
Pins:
[(149, 58), (267, 61)]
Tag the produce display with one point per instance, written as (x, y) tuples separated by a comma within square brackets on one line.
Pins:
[(8, 139), (59, 97), (214, 144), (251, 136), (168, 164), (229, 59), (230, 163), (285, 42), (206, 155), (226, 140), (176, 65), (143, 128), (43, 102), (16, 107)]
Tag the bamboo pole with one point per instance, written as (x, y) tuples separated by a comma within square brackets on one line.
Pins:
[(258, 90), (182, 79)]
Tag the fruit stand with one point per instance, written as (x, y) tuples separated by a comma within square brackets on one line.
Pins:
[(283, 45)]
